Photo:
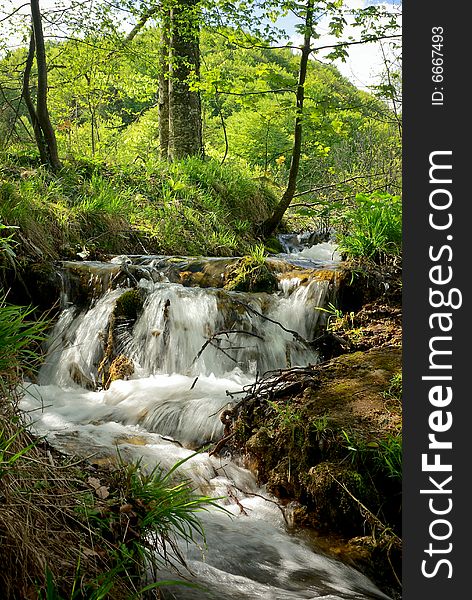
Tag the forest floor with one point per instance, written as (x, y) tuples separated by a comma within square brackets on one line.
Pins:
[(329, 436)]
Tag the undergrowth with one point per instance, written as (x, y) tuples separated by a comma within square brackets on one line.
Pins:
[(190, 207), (373, 228)]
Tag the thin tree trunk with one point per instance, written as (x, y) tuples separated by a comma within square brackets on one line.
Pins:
[(185, 112), (41, 101), (273, 221), (164, 86), (38, 134)]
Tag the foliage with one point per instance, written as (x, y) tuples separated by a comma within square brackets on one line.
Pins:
[(383, 455), (190, 207), (103, 103), (373, 227), (7, 244), (18, 336), (395, 388), (251, 273)]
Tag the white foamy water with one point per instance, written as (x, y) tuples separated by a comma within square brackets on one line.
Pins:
[(170, 406), (326, 251)]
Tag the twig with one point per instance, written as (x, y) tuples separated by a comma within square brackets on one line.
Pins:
[(214, 336), (221, 443)]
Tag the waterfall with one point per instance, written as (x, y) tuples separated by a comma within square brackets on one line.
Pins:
[(190, 349)]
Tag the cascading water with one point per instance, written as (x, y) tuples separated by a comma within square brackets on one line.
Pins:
[(190, 346)]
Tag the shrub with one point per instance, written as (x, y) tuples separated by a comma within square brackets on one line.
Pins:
[(373, 227)]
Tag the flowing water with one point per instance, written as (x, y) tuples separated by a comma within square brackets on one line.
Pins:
[(185, 370)]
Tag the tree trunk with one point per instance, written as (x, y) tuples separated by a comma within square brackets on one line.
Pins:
[(42, 111), (273, 221), (26, 94), (185, 118), (164, 86)]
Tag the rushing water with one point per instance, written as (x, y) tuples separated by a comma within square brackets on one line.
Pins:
[(169, 407)]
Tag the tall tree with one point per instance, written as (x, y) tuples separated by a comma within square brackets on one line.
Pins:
[(39, 115), (271, 223), (311, 12), (185, 112), (180, 112), (164, 124)]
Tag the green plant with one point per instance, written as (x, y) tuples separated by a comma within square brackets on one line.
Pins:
[(382, 455), (395, 388), (320, 425), (7, 244), (7, 457), (258, 254), (336, 317), (373, 227), (251, 273), (389, 456), (17, 338)]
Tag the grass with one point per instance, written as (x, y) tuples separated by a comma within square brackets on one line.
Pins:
[(373, 228), (251, 273), (18, 338), (192, 207), (384, 456)]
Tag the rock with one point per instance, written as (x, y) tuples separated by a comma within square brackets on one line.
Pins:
[(129, 305), (121, 368), (250, 275)]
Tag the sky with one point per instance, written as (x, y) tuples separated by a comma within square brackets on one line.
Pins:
[(363, 67), (365, 63)]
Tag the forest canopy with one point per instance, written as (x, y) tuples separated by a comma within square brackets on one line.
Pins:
[(131, 85)]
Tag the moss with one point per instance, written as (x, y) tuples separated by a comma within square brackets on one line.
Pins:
[(121, 368), (250, 274), (129, 305), (273, 245)]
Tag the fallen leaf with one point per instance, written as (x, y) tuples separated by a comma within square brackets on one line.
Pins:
[(94, 482), (102, 492)]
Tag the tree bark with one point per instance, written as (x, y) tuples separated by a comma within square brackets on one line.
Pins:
[(273, 221), (185, 114), (42, 111), (26, 94), (164, 86)]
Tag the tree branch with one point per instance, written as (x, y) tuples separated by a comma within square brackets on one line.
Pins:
[(366, 41), (334, 185)]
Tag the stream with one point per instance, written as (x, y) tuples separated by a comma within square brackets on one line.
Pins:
[(170, 403)]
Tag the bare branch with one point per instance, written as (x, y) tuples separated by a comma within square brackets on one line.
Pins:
[(334, 185), (14, 12)]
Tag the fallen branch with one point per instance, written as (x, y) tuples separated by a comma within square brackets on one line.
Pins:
[(221, 443), (214, 336)]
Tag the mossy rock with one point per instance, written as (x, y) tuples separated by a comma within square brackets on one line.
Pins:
[(121, 368), (250, 275), (129, 305), (273, 245), (335, 492)]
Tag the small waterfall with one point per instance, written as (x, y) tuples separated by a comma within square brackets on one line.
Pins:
[(191, 348), (77, 343)]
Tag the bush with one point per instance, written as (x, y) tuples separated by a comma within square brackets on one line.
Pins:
[(373, 227)]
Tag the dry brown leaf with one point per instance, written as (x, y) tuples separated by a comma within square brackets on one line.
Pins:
[(102, 492), (94, 482)]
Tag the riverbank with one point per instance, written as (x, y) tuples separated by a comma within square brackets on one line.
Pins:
[(329, 436)]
